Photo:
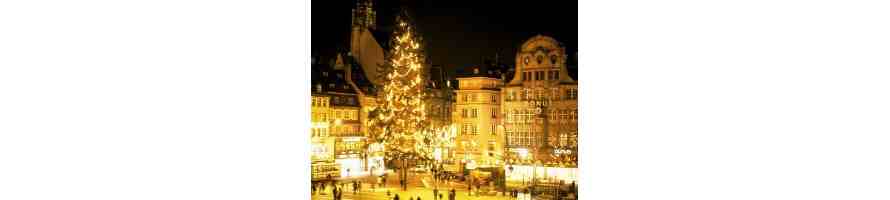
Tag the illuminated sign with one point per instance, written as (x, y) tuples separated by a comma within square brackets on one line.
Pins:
[(562, 151), (352, 139)]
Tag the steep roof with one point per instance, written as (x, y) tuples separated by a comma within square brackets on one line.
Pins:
[(329, 79), (382, 36), (487, 69), (360, 78)]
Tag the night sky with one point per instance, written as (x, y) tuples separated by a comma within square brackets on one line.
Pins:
[(458, 34)]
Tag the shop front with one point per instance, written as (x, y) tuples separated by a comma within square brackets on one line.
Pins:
[(376, 164)]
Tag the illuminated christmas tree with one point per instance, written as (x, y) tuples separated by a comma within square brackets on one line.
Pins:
[(400, 121)]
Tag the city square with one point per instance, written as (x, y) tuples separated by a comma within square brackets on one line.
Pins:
[(389, 122), (444, 100)]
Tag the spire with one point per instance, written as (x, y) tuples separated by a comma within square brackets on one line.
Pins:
[(363, 15)]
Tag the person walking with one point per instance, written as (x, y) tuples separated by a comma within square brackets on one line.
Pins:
[(340, 193)]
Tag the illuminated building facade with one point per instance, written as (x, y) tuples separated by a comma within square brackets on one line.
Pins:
[(341, 116), (541, 106), (322, 153), (439, 110), (478, 117)]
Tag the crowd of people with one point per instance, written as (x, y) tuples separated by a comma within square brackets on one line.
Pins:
[(452, 195), (335, 188)]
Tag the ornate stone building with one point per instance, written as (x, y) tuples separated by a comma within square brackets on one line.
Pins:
[(541, 107)]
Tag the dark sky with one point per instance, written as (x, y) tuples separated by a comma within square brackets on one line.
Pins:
[(458, 33)]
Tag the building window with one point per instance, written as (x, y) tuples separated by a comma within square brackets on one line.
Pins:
[(470, 129), (494, 113), (554, 94), (474, 98), (463, 113), (524, 78), (466, 98), (475, 113), (526, 94), (556, 74), (494, 98), (574, 115), (494, 129)]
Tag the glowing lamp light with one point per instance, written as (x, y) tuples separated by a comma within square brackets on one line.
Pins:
[(523, 153)]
